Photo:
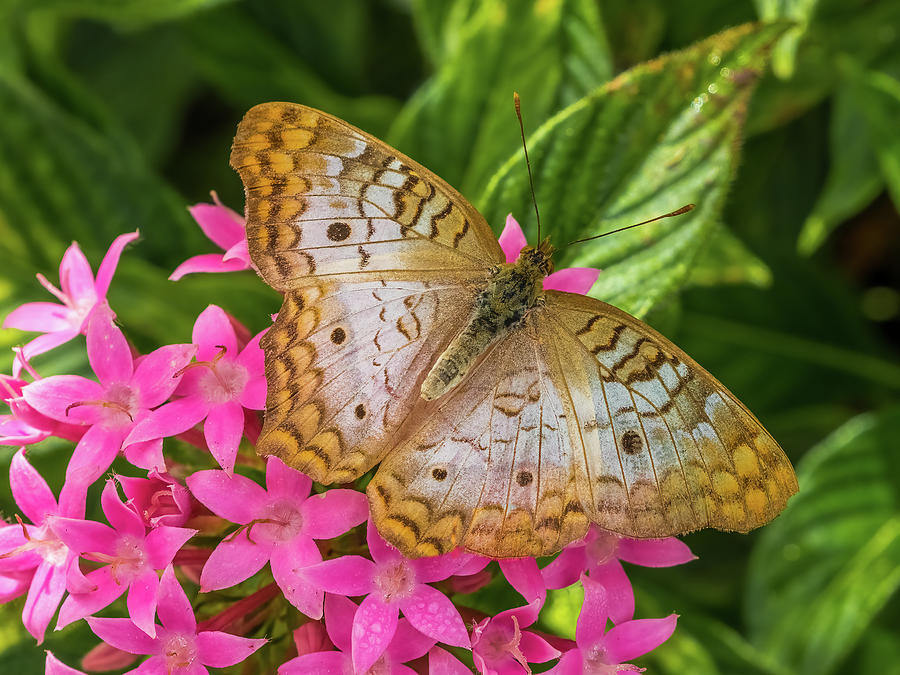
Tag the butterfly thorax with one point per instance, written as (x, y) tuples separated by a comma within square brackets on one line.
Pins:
[(512, 291)]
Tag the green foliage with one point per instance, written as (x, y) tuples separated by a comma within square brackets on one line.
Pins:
[(119, 113)]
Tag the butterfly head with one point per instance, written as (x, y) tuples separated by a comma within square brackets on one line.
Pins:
[(538, 257)]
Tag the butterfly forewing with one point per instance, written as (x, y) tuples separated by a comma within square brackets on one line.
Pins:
[(668, 448), (324, 199)]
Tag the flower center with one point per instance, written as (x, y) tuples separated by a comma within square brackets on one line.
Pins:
[(179, 651), (129, 560), (119, 407), (281, 521), (596, 662), (603, 548), (501, 640), (43, 542), (395, 579)]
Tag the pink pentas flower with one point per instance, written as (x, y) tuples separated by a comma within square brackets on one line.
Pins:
[(158, 499), (226, 229), (218, 386), (599, 553), (26, 426), (178, 648), (405, 645), (602, 652), (79, 293), (391, 584), (132, 554), (442, 662), (32, 555), (279, 524), (525, 576), (501, 647), (571, 279), (123, 397), (53, 666)]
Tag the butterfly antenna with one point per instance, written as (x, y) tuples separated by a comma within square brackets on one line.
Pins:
[(676, 212), (518, 105)]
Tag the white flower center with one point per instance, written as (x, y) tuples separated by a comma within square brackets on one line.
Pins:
[(395, 580), (223, 381), (281, 521), (179, 651)]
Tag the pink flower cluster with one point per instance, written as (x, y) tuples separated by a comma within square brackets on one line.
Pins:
[(207, 567)]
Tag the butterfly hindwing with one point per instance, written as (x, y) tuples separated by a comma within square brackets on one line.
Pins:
[(344, 364), (324, 199), (491, 468), (668, 448)]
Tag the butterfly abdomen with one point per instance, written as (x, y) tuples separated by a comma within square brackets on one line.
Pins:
[(509, 295)]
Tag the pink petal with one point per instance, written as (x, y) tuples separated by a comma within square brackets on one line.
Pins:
[(52, 396), (254, 394), (141, 601), (222, 225), (331, 514), (438, 568), (252, 356), (30, 490), (312, 637), (536, 649), (13, 585), (111, 261), (107, 348), (75, 276), (373, 628), (174, 609), (168, 420), (41, 317), (53, 666), (83, 536), (619, 594), (431, 612), (18, 433), (208, 262), (408, 643), (572, 280), (123, 518), (339, 613), (154, 375), (347, 575), (240, 251), (512, 239), (632, 639), (320, 663), (220, 650), (569, 664), (472, 564), (41, 344), (233, 561), (46, 590), (212, 329), (91, 458), (655, 552), (163, 542), (442, 662), (223, 429), (288, 562), (594, 613), (525, 615), (566, 568), (79, 605), (123, 634), (156, 665), (235, 498), (147, 455), (524, 575), (380, 550), (283, 481)]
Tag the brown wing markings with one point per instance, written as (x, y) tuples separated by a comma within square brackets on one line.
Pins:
[(637, 414)]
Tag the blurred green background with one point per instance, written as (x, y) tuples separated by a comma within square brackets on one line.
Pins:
[(116, 114)]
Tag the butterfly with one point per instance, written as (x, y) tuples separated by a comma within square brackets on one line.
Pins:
[(505, 418)]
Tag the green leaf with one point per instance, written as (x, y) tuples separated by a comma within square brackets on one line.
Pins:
[(252, 65), (879, 97), (125, 13), (825, 568), (61, 180), (659, 136), (727, 260), (854, 179), (798, 11), (461, 123), (439, 24)]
